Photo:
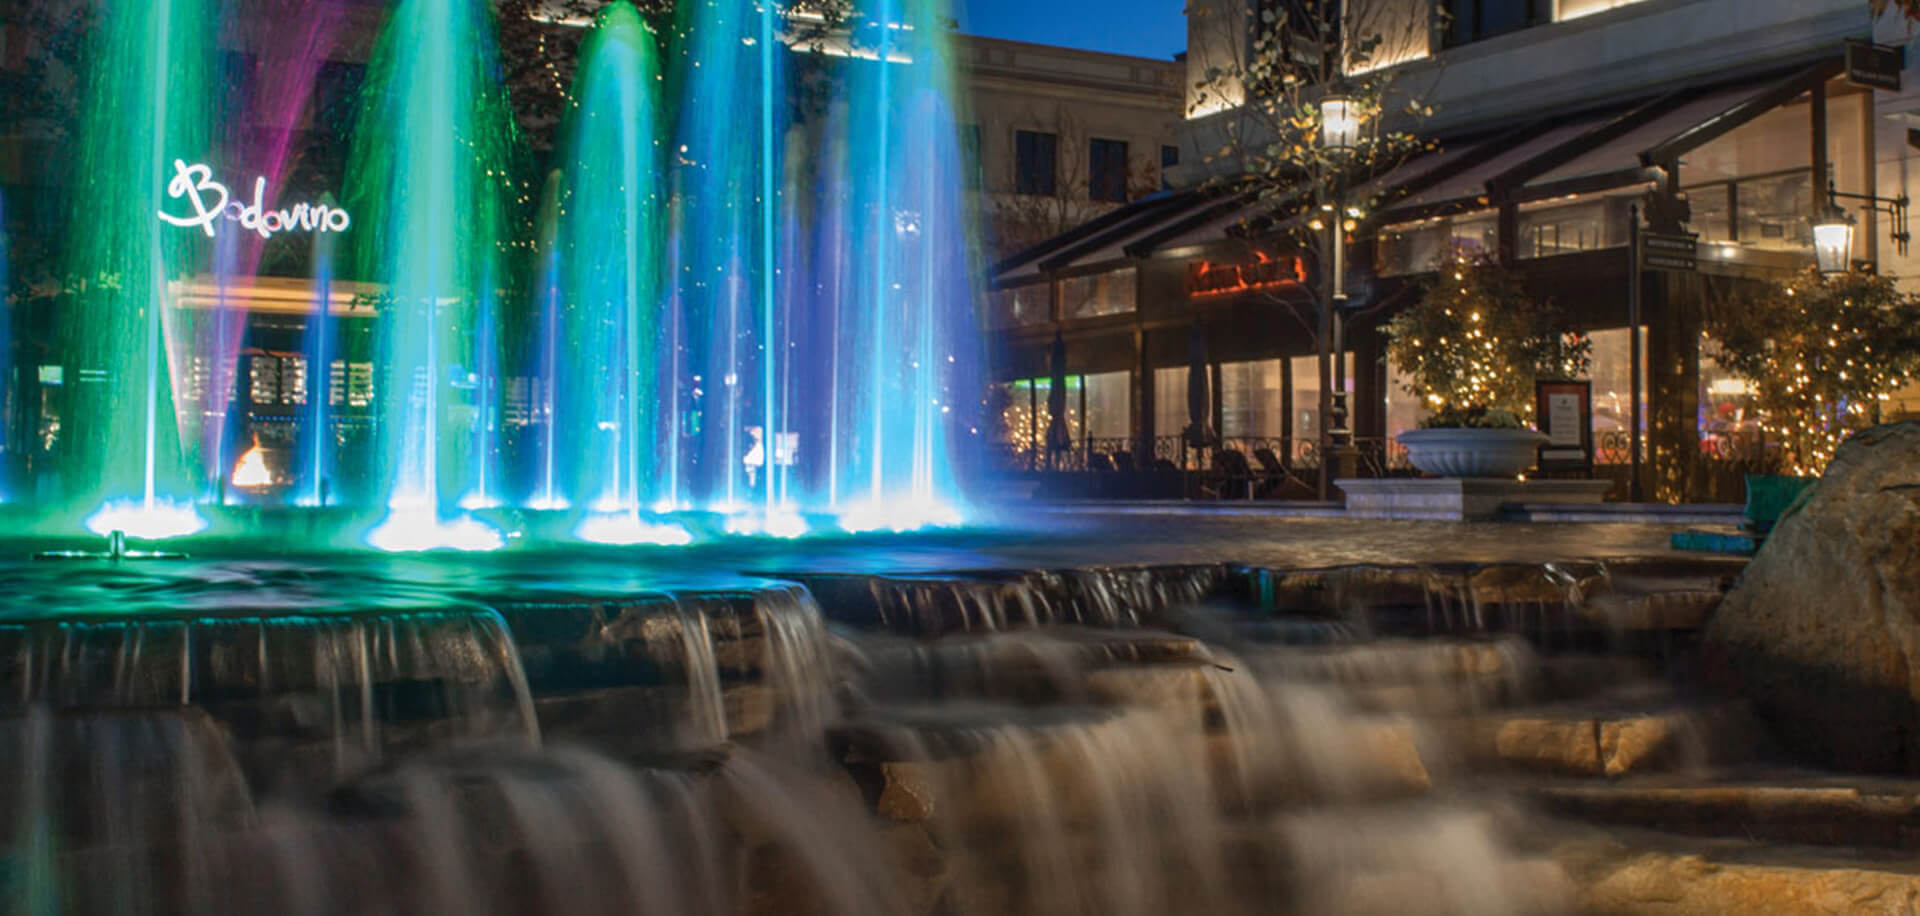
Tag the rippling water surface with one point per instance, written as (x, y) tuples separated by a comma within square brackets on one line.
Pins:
[(251, 576)]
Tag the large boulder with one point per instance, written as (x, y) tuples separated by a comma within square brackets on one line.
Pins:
[(1822, 631)]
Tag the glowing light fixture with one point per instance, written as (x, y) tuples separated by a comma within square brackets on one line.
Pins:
[(1833, 242), (1339, 123)]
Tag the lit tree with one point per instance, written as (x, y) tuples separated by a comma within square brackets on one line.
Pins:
[(1820, 354), (1474, 344)]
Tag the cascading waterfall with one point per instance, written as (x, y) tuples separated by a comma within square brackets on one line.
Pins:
[(429, 172), (146, 119), (609, 233)]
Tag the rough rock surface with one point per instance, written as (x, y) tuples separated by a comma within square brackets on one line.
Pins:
[(1725, 880), (1823, 630)]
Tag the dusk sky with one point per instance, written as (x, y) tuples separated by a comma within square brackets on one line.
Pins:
[(1147, 28)]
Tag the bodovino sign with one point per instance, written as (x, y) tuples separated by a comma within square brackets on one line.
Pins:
[(210, 202), (1206, 278)]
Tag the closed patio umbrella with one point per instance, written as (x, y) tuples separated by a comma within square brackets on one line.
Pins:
[(1057, 438), (1199, 431)]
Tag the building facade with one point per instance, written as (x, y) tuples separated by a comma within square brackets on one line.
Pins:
[(1061, 136), (1554, 121)]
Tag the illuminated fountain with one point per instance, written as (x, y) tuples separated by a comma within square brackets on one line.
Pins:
[(822, 296), (746, 298), (733, 327), (609, 213), (429, 173), (315, 459), (147, 110), (6, 362), (894, 269)]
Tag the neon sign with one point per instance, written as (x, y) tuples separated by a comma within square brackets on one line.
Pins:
[(1205, 278), (211, 201)]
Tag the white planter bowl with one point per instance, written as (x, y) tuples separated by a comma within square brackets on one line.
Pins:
[(1472, 452)]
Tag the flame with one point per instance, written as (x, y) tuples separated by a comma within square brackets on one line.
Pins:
[(251, 473)]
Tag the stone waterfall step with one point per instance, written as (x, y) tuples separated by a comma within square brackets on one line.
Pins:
[(1605, 739), (1637, 873), (1807, 809)]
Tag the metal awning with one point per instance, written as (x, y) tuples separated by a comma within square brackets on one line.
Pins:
[(1596, 150), (1657, 134), (1470, 186)]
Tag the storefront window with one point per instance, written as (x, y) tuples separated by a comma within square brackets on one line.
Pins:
[(1729, 426), (1110, 293), (1098, 415), (1775, 212), (1404, 411), (1109, 408), (1250, 400), (1411, 248), (1169, 401), (1613, 393), (1018, 306), (1565, 229), (1305, 446)]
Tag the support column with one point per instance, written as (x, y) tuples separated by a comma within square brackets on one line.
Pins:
[(1370, 388), (1673, 318), (1286, 408), (1145, 398), (1817, 131), (1216, 403)]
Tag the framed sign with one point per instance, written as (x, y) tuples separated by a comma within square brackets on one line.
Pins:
[(1565, 412)]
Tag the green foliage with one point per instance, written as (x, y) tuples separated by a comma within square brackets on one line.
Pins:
[(1820, 354), (1479, 417), (1476, 341)]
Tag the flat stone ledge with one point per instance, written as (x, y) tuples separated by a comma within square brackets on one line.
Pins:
[(1461, 499)]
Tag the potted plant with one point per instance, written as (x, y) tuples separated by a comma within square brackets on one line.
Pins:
[(1471, 349)]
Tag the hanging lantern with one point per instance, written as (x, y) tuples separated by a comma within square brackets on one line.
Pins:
[(1339, 123), (1833, 243)]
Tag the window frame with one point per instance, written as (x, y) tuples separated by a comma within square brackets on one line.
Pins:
[(1102, 187), (1027, 177)]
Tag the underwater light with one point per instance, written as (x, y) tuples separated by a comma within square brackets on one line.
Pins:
[(411, 530), (628, 529), (903, 515), (149, 520), (547, 504)]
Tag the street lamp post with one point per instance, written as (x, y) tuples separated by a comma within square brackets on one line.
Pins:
[(1340, 126)]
